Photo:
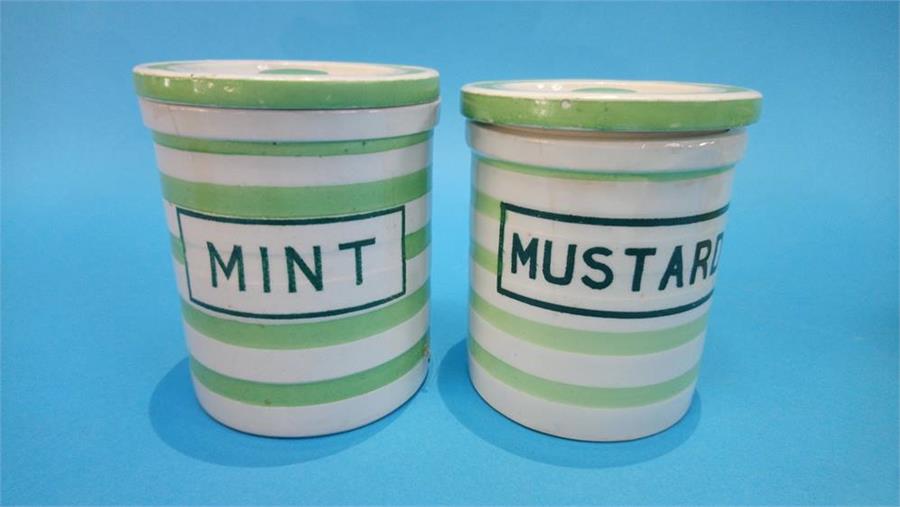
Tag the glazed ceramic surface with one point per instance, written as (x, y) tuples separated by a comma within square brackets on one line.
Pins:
[(596, 239), (297, 201)]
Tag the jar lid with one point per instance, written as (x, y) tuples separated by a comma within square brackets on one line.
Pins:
[(617, 106), (282, 84)]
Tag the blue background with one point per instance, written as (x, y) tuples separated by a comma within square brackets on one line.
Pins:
[(798, 400)]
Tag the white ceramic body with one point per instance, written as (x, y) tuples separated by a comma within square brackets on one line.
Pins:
[(608, 352), (328, 336)]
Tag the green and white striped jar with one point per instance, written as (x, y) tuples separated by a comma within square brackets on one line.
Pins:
[(297, 198), (597, 228)]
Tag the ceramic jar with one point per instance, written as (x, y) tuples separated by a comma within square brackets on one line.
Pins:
[(297, 200), (598, 222)]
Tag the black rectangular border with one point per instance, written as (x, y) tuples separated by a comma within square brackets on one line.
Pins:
[(609, 222), (289, 222)]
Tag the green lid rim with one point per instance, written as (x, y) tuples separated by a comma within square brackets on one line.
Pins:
[(273, 91), (613, 114)]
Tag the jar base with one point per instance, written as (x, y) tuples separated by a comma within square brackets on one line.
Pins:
[(577, 422), (312, 420)]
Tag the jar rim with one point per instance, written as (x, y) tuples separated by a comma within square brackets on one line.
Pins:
[(611, 105), (286, 84)]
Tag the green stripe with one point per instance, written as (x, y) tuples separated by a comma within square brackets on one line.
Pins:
[(308, 334), (587, 342), (485, 204), (296, 202), (289, 149), (484, 257), (551, 172), (414, 244), (417, 242), (585, 396), (311, 393), (177, 249)]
